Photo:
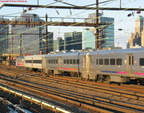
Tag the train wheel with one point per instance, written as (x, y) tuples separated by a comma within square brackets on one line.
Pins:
[(100, 78), (108, 80), (83, 79), (47, 75), (138, 82), (119, 83)]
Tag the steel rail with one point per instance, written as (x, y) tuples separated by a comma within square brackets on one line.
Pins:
[(92, 87), (104, 102), (34, 100)]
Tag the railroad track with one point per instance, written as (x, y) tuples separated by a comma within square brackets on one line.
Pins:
[(81, 100), (16, 72), (134, 88), (13, 71), (97, 88)]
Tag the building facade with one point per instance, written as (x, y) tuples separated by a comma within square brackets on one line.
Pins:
[(30, 39), (106, 35), (58, 44), (73, 41), (4, 31), (88, 38), (137, 37)]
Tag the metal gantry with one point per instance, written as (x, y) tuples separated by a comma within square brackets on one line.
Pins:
[(72, 6)]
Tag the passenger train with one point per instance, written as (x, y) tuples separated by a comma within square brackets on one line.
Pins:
[(118, 66)]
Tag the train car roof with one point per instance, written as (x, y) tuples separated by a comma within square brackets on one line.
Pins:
[(130, 50), (34, 55), (63, 54), (20, 57)]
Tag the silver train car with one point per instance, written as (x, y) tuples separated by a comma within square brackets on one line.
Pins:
[(34, 62), (20, 62), (103, 65)]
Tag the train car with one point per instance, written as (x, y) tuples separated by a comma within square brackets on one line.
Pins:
[(51, 64), (103, 65), (115, 65), (34, 62), (62, 64), (70, 64), (20, 62)]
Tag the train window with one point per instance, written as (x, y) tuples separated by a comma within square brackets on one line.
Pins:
[(56, 61), (100, 61), (141, 61), (70, 61), (67, 61), (28, 61), (77, 61), (64, 61), (106, 61), (119, 61), (112, 61), (53, 61), (74, 61), (37, 61), (131, 60), (96, 61)]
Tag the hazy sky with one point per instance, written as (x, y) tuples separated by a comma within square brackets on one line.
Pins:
[(121, 18)]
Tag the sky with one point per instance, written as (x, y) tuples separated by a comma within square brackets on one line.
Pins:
[(122, 21)]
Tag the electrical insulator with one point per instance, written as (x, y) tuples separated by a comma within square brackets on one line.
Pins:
[(138, 12), (120, 29), (29, 8), (24, 11), (129, 15)]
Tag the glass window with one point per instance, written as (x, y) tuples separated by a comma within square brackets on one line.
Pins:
[(132, 60), (28, 61), (141, 61), (112, 61), (67, 61), (106, 61), (100, 61), (74, 61), (64, 61), (77, 61), (37, 61), (119, 61), (56, 61), (96, 61), (70, 61)]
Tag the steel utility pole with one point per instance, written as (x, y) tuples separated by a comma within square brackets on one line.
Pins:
[(97, 25), (20, 44), (46, 34)]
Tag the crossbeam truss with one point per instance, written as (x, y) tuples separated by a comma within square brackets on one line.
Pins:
[(73, 7), (15, 22), (50, 23)]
